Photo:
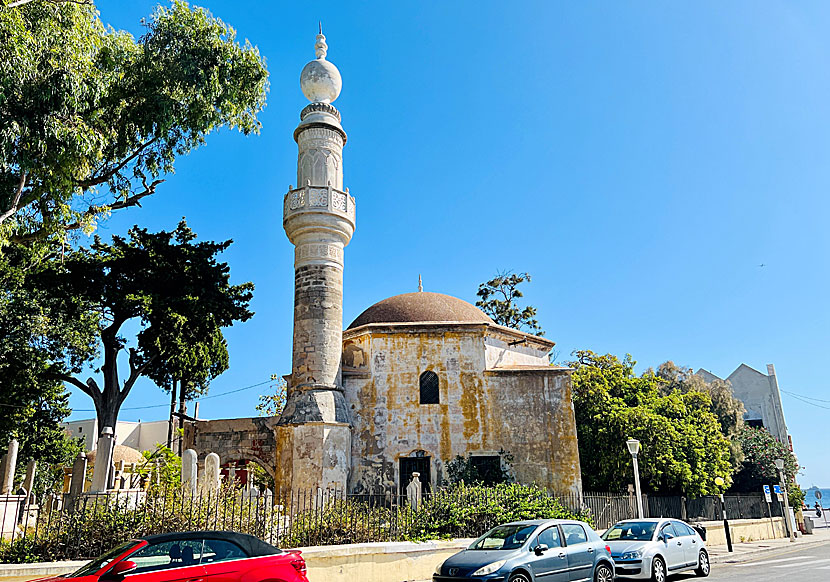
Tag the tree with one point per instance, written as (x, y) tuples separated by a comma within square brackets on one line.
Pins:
[(272, 402), (498, 300), (91, 119), (682, 447), (760, 449), (171, 286), (728, 409)]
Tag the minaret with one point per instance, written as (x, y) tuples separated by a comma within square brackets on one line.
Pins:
[(314, 431)]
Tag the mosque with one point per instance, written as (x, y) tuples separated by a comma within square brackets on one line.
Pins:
[(413, 382)]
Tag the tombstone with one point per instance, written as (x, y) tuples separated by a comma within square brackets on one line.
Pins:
[(413, 491), (103, 461), (29, 481), (76, 484), (212, 472), (9, 466), (189, 471)]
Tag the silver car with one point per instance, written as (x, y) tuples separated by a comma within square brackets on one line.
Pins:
[(654, 548)]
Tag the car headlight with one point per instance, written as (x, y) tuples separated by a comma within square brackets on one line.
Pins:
[(632, 555), (489, 568), (438, 568)]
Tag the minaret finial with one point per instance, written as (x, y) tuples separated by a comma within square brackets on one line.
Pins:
[(320, 24), (420, 283), (320, 47)]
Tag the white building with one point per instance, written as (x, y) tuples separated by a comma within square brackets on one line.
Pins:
[(141, 436), (761, 397)]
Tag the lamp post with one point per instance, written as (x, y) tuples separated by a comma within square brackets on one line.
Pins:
[(634, 448), (779, 464), (720, 483)]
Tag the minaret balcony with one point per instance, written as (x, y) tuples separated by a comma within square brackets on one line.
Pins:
[(319, 199)]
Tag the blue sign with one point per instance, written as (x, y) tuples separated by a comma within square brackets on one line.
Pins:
[(777, 489), (766, 489)]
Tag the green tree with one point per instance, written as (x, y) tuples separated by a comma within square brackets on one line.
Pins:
[(162, 282), (91, 119), (728, 409), (498, 301), (273, 401), (760, 450), (682, 447)]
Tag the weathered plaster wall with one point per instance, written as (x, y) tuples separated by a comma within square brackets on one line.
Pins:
[(526, 413), (499, 353)]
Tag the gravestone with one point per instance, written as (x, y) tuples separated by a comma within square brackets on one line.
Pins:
[(9, 466), (212, 472), (413, 491), (103, 461), (76, 484), (29, 481), (189, 471)]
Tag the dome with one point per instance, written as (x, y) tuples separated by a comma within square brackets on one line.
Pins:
[(119, 453), (419, 307)]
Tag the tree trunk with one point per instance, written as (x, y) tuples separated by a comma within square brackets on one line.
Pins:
[(171, 422), (182, 410)]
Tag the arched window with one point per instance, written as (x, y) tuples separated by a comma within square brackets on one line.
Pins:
[(429, 387)]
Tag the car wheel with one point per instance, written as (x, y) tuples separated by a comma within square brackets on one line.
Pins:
[(604, 573), (703, 565), (658, 570), (519, 577)]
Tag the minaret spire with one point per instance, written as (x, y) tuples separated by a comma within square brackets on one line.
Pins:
[(420, 284)]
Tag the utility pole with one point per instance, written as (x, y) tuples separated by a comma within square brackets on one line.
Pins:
[(779, 464)]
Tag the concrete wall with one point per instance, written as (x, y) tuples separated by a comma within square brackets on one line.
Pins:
[(141, 436), (236, 439), (527, 413), (744, 530)]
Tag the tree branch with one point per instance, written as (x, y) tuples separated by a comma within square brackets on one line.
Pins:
[(24, 2), (15, 203), (100, 179), (135, 371), (90, 388)]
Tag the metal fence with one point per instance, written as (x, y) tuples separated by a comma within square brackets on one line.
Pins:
[(89, 524)]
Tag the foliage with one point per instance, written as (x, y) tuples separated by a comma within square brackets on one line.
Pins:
[(272, 402), (466, 470), (682, 447), (161, 465), (172, 287), (92, 119), (498, 300), (758, 468), (728, 409)]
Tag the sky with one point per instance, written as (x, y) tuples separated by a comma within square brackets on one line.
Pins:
[(660, 169)]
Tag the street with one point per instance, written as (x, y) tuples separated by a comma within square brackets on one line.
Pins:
[(796, 565)]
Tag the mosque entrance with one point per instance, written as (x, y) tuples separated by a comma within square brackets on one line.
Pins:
[(411, 465)]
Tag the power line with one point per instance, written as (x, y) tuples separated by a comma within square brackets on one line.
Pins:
[(806, 401), (159, 405), (807, 397)]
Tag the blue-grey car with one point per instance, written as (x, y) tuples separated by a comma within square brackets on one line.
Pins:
[(550, 550)]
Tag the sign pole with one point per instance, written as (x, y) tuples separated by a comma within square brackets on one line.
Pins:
[(768, 498)]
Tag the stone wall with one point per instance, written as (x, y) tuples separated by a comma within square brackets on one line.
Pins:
[(236, 439)]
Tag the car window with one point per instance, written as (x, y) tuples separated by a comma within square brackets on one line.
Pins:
[(667, 528), (574, 534), (504, 537), (549, 537), (166, 555), (101, 561), (221, 551), (682, 529), (630, 530)]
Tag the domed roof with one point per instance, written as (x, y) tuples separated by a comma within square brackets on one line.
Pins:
[(119, 453), (421, 306)]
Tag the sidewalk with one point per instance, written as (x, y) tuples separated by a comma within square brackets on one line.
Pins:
[(746, 551)]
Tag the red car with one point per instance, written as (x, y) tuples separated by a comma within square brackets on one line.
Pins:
[(198, 556)]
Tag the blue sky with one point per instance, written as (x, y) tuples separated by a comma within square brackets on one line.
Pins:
[(640, 160)]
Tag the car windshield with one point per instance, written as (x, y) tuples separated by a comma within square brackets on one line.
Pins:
[(630, 530), (504, 537), (101, 561)]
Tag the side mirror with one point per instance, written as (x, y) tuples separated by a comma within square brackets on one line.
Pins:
[(660, 538), (541, 549), (121, 569), (667, 536)]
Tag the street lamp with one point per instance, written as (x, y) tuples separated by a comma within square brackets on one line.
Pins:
[(634, 448), (720, 483), (779, 464)]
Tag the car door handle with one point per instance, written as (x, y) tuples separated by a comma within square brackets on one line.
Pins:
[(590, 550), (196, 580), (694, 541), (562, 555), (679, 543)]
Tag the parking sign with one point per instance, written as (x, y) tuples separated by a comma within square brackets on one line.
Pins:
[(777, 489), (767, 494)]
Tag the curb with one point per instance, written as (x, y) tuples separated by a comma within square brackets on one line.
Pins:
[(737, 558)]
